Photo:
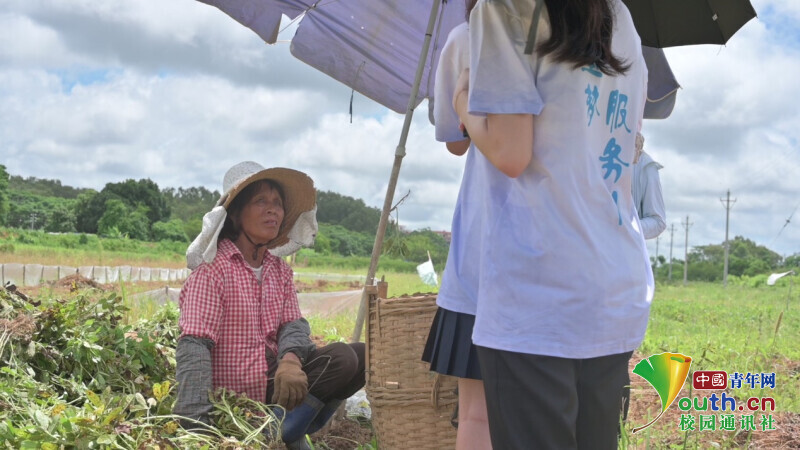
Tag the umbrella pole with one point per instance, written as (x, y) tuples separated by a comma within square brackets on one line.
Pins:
[(399, 153)]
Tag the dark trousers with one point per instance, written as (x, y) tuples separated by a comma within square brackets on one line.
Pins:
[(544, 402), (335, 372)]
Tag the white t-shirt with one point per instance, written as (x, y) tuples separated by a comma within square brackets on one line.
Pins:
[(564, 268), (459, 289)]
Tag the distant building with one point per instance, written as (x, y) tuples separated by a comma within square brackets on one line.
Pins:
[(444, 234)]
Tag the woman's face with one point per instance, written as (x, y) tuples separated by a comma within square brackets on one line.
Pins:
[(262, 216)]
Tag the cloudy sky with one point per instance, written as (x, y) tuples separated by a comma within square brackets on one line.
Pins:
[(98, 91)]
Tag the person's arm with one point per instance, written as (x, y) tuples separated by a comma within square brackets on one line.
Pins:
[(291, 382), (201, 312), (294, 344), (652, 216), (453, 58), (295, 338), (193, 375), (505, 139)]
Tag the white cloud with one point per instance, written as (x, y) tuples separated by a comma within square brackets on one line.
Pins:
[(97, 91)]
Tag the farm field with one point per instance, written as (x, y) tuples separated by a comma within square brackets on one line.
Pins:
[(94, 366)]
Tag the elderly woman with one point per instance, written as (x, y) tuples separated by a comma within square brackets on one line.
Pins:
[(241, 326)]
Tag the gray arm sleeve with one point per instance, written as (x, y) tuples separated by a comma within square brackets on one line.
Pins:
[(295, 337), (193, 374)]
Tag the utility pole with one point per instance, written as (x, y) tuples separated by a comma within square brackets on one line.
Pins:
[(686, 252), (671, 236), (657, 238), (33, 219), (728, 205)]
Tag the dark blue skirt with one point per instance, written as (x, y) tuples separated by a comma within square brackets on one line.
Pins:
[(449, 348)]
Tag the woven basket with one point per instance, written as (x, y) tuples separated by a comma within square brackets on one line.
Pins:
[(411, 406)]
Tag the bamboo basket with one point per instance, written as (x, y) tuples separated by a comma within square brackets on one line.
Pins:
[(411, 406)]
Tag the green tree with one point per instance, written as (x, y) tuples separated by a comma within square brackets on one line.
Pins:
[(193, 227), (3, 194), (421, 242), (141, 193), (119, 218), (792, 262), (61, 219), (44, 188), (322, 244), (189, 203), (169, 231), (113, 215), (142, 197), (89, 208), (346, 242), (352, 214)]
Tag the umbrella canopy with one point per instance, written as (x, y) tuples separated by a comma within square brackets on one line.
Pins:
[(672, 23), (662, 87), (372, 47), (378, 48)]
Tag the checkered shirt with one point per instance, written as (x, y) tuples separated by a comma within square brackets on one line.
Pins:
[(223, 301)]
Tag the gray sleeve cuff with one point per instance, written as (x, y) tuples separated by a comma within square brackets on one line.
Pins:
[(193, 374), (295, 337)]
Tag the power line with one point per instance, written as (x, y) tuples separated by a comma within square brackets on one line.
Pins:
[(785, 224)]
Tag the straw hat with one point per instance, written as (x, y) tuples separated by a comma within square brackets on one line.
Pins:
[(299, 225)]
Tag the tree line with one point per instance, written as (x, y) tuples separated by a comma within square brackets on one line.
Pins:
[(139, 209), (707, 262)]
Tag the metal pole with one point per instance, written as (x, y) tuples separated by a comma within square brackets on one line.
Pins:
[(686, 253), (399, 153), (655, 263), (727, 205), (671, 237)]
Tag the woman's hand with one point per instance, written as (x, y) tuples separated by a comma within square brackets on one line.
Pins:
[(291, 383)]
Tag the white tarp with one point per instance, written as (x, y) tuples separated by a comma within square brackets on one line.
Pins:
[(777, 276), (427, 273)]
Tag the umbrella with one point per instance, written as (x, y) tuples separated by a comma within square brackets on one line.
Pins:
[(372, 47), (378, 48), (662, 87), (672, 23)]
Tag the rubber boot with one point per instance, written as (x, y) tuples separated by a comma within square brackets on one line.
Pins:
[(324, 416), (296, 422)]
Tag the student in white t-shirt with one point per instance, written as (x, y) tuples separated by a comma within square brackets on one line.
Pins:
[(565, 286), (449, 347)]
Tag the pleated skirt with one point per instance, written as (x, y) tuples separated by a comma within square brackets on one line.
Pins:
[(449, 347)]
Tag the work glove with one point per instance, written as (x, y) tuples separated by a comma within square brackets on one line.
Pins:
[(291, 384)]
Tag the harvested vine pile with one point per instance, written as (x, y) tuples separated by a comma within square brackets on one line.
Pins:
[(73, 375)]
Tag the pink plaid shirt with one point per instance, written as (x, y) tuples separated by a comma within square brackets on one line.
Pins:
[(222, 301)]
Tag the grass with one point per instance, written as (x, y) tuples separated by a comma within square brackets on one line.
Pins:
[(743, 328), (735, 329), (75, 257)]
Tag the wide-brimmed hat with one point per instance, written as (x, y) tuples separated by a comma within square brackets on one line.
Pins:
[(299, 225)]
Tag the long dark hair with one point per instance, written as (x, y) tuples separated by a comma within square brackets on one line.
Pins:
[(232, 227), (581, 34), (468, 5)]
